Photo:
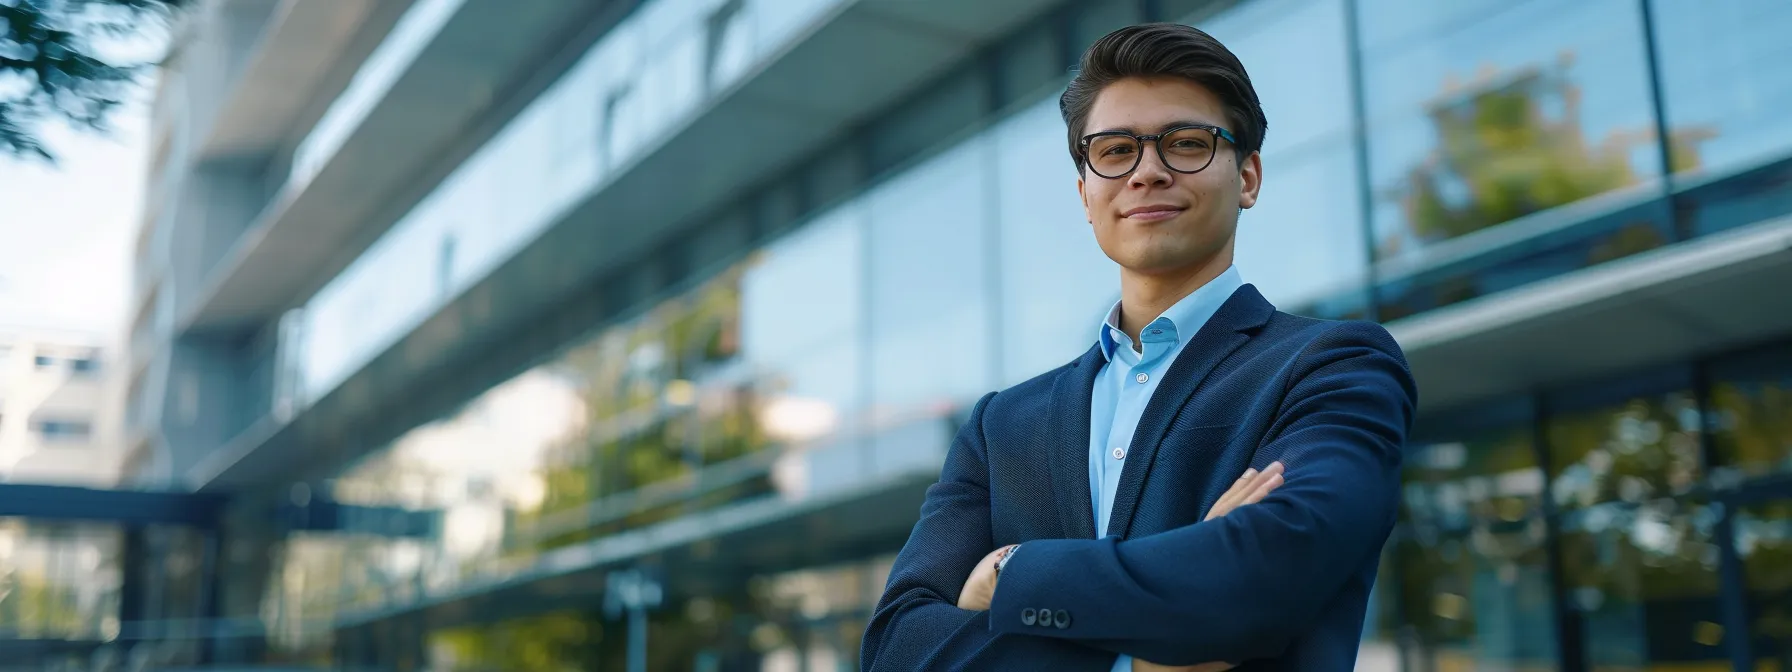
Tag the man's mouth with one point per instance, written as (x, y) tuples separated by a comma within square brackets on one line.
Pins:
[(1152, 213)]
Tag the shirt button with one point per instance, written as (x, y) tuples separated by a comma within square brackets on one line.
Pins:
[(1119, 452), (1141, 378)]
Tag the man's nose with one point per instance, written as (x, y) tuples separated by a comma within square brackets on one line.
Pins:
[(1151, 170)]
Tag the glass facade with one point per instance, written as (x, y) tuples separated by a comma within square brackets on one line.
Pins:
[(620, 98), (1420, 154)]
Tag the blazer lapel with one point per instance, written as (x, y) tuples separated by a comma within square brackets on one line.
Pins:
[(1229, 328), (1069, 444)]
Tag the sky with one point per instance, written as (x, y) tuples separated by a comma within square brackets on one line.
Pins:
[(66, 230)]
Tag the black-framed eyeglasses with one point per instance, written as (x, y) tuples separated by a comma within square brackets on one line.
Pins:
[(1184, 149)]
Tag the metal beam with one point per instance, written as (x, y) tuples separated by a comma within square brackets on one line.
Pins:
[(125, 507)]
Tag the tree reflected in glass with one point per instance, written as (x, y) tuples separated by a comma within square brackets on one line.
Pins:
[(1473, 574), (1764, 544), (1752, 425), (1635, 451), (1643, 579), (1512, 143)]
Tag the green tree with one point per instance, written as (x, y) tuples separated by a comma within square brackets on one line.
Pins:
[(51, 65), (1503, 150)]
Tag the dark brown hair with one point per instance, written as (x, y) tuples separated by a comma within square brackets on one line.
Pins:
[(1164, 50)]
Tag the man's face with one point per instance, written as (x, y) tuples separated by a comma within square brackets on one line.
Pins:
[(1156, 220)]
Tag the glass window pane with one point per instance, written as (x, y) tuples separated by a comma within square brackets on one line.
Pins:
[(1485, 478), (929, 308), (1751, 427), (1480, 601), (1299, 64), (1725, 81), (1056, 282), (1499, 112), (1303, 242), (1643, 582), (1764, 543), (1637, 450), (1472, 569), (802, 326)]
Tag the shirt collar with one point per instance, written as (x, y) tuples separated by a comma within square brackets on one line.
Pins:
[(1182, 319)]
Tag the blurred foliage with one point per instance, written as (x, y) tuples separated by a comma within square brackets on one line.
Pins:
[(1436, 479), (1753, 427), (49, 46), (651, 415), (1512, 145), (1640, 450)]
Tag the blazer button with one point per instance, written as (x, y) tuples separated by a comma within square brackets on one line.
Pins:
[(1061, 619), (1029, 616)]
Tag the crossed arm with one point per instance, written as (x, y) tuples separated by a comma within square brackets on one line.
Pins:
[(1268, 568)]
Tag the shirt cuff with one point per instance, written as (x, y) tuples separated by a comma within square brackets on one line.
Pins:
[(1123, 663)]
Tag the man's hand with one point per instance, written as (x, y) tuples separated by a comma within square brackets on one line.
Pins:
[(980, 588), (1250, 488)]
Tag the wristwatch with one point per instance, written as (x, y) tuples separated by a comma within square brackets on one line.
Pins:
[(1003, 561)]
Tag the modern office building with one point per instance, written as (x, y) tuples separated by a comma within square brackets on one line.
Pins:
[(577, 294)]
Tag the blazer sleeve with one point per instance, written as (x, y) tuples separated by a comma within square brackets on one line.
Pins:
[(917, 624), (1266, 570)]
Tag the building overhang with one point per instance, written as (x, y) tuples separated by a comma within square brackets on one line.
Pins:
[(295, 64), (1698, 298), (487, 61)]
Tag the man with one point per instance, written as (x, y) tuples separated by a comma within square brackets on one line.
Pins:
[(1130, 510)]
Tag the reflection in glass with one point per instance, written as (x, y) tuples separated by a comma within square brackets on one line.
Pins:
[(1488, 478), (802, 320), (1471, 566), (1751, 424), (1302, 244), (1528, 106), (1723, 77), (930, 348), (1764, 543), (1479, 600), (1056, 282), (1643, 580), (1638, 450)]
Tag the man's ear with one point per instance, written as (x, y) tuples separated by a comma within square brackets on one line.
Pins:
[(1085, 196), (1250, 180)]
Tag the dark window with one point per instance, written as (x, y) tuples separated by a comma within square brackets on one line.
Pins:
[(84, 365), (64, 430)]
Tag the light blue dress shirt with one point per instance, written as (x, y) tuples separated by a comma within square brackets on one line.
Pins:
[(1126, 382)]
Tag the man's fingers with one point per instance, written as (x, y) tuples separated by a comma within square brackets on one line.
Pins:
[(1265, 485), (1250, 488), (1240, 489)]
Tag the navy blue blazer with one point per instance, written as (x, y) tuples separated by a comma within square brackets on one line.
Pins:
[(1278, 585)]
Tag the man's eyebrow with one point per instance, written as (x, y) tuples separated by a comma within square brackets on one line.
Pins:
[(1174, 124)]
